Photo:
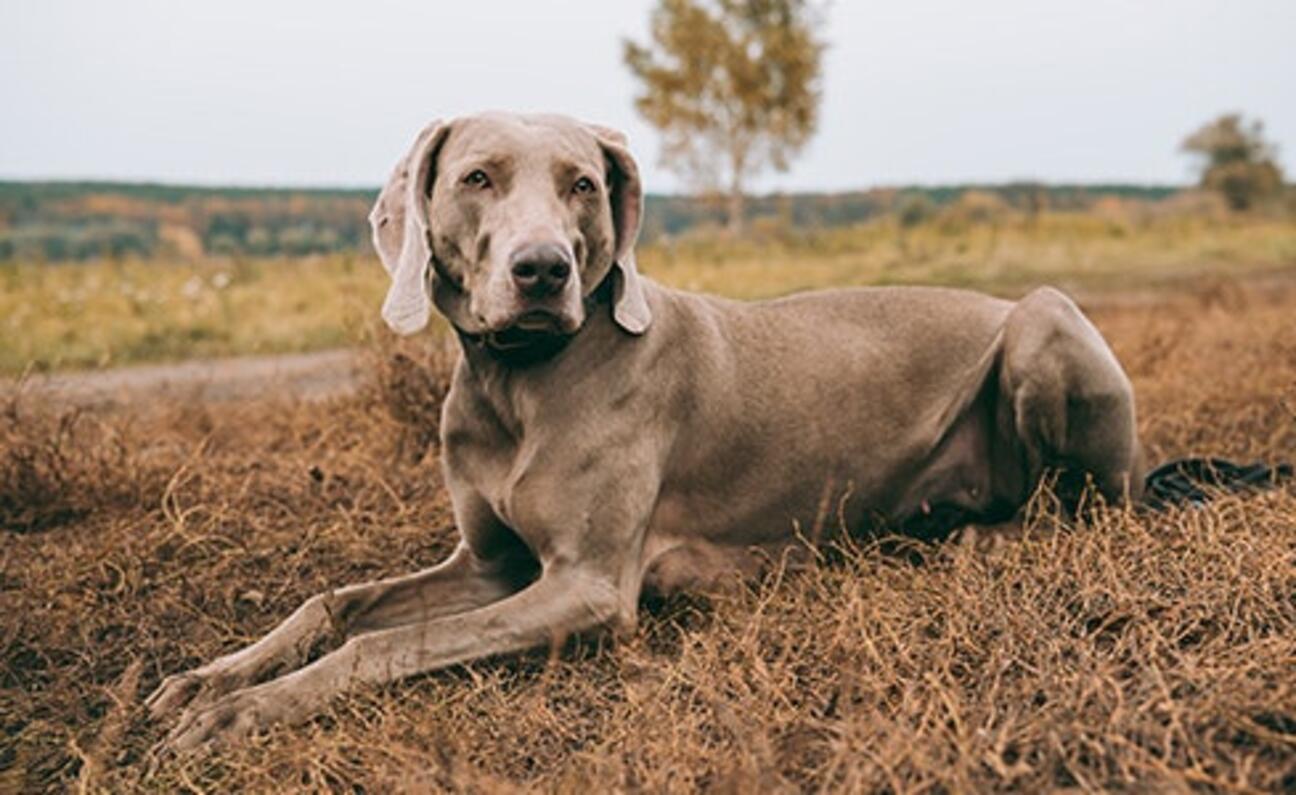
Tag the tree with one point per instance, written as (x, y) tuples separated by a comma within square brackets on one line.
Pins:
[(1237, 161), (733, 85)]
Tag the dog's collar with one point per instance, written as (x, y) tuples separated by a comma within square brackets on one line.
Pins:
[(519, 349)]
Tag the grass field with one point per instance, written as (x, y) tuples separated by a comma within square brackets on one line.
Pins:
[(115, 313), (1134, 651)]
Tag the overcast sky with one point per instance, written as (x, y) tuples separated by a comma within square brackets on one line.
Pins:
[(279, 92)]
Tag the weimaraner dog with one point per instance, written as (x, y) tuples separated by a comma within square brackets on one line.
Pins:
[(605, 435)]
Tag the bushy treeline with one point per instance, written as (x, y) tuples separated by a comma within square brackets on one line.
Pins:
[(59, 221), (79, 220), (671, 216)]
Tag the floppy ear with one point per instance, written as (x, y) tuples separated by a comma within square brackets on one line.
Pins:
[(399, 221), (629, 305)]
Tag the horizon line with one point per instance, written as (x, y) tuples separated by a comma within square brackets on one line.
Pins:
[(337, 188)]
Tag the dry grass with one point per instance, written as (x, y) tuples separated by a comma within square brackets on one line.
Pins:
[(1083, 251), (1145, 652), (107, 314)]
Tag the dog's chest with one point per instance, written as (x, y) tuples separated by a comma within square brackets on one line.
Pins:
[(484, 462), (500, 470)]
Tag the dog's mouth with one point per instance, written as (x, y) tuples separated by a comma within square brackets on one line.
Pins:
[(536, 327), (538, 321)]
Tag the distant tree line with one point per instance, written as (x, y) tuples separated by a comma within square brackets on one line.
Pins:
[(62, 221), (75, 220)]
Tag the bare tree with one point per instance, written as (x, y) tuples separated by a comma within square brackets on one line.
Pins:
[(734, 86)]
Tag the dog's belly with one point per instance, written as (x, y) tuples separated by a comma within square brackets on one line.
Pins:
[(706, 540), (825, 414)]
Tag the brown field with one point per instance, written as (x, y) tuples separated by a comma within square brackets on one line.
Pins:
[(1131, 651)]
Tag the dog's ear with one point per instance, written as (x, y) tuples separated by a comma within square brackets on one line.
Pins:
[(399, 221), (629, 305)]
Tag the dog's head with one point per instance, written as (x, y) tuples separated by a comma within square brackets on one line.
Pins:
[(507, 223)]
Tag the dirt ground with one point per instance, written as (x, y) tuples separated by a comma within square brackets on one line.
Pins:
[(1129, 651), (305, 376)]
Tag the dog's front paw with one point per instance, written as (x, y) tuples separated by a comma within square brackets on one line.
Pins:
[(175, 693), (192, 688), (226, 720)]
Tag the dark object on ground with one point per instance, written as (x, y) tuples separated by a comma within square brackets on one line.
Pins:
[(1195, 480)]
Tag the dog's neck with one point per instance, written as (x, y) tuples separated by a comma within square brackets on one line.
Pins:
[(494, 379)]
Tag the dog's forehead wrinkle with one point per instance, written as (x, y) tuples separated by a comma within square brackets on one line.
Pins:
[(527, 141), (490, 158)]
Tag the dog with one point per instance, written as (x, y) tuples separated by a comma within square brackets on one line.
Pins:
[(606, 436)]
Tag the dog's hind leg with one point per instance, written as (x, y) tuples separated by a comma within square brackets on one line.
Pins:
[(1071, 404)]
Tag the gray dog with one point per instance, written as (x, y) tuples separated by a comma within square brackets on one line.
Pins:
[(605, 435)]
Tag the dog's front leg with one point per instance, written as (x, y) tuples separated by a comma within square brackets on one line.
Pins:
[(557, 605), (461, 582)]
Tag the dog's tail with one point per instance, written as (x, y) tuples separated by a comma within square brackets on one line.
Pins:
[(1194, 481)]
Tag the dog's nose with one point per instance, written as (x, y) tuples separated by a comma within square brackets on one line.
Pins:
[(540, 270)]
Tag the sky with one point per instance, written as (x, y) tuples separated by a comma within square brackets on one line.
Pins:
[(323, 93)]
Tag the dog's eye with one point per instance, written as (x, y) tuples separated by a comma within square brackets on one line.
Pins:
[(583, 185), (477, 178)]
